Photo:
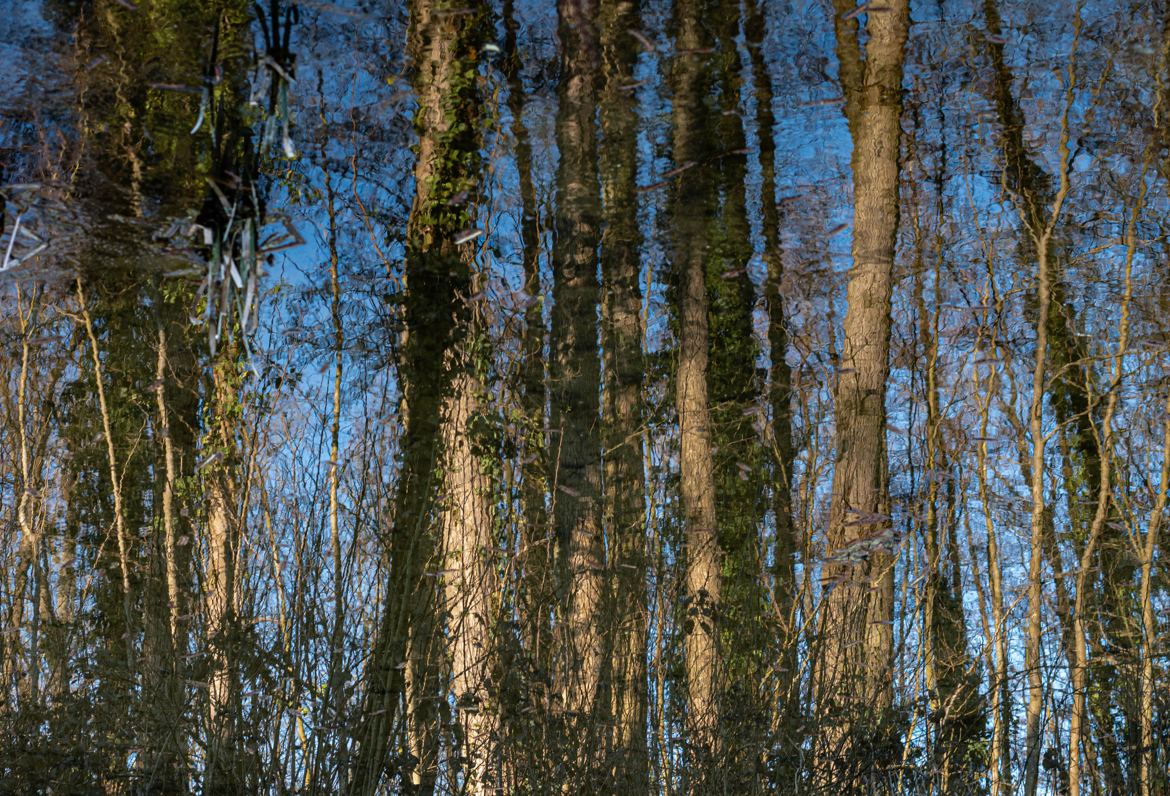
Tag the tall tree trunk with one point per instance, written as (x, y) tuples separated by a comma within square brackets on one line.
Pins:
[(23, 676), (747, 626), (1061, 353), (784, 595), (469, 579), (853, 683), (693, 204), (220, 586), (1035, 559), (703, 559), (404, 680), (626, 615), (576, 378)]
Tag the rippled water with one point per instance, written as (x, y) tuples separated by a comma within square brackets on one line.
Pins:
[(436, 397)]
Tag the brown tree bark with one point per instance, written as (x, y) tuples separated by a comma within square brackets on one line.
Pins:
[(625, 615), (575, 382), (220, 585), (852, 677), (693, 203), (469, 580), (536, 591), (404, 681)]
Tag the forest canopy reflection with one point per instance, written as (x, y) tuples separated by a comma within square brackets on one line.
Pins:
[(591, 396)]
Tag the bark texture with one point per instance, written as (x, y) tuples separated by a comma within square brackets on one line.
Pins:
[(405, 687), (853, 678)]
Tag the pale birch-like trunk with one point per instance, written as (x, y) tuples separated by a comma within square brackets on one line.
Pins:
[(29, 545), (170, 473), (165, 643), (1036, 550)]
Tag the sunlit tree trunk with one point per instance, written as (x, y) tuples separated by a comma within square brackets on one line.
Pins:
[(220, 585), (703, 574), (469, 578), (1035, 559), (21, 667), (856, 645)]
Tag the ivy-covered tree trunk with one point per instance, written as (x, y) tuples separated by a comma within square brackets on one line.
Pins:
[(747, 626), (404, 711), (1071, 392)]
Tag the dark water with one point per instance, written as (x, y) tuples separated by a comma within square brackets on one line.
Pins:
[(529, 397)]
